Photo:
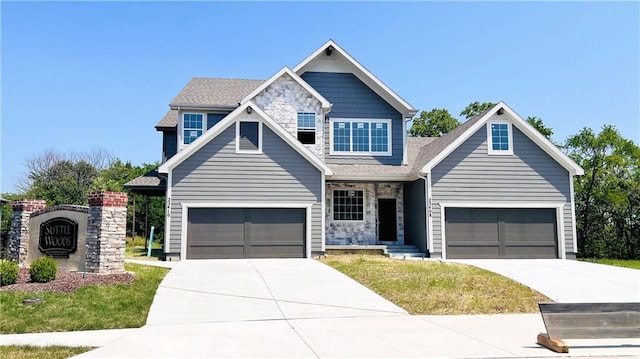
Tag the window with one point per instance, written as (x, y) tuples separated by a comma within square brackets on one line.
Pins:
[(499, 138), (191, 127), (348, 205), (307, 128), (362, 136), (249, 136)]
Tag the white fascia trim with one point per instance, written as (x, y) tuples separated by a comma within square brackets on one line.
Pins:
[(502, 204), (523, 126), (326, 105), (573, 215), (408, 110), (231, 119), (185, 213), (209, 108), (167, 215), (557, 206)]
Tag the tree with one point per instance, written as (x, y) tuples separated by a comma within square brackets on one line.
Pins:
[(537, 123), (607, 195), (476, 108), (65, 182), (434, 123), (39, 167)]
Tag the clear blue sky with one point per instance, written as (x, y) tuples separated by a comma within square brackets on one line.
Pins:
[(81, 75)]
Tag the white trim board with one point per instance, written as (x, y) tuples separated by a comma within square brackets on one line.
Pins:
[(187, 205), (559, 207)]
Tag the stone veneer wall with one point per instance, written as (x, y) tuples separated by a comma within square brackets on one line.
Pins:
[(283, 99), (366, 231), (106, 231), (19, 232)]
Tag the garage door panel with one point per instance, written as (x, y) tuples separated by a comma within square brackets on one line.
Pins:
[(246, 232), (501, 233)]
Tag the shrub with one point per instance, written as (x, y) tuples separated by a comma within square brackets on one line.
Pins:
[(43, 269), (8, 272)]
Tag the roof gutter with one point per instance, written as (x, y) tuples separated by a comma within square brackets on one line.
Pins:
[(393, 178)]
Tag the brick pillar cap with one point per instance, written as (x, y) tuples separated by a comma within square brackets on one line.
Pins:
[(28, 205), (107, 199)]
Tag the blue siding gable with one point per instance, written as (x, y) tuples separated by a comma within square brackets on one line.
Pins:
[(351, 98)]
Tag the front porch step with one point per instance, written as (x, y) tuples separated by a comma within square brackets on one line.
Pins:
[(399, 251)]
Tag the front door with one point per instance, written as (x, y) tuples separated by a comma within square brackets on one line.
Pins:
[(387, 220)]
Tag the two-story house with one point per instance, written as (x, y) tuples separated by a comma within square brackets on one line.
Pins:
[(318, 155)]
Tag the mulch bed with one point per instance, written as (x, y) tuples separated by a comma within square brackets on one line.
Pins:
[(66, 282)]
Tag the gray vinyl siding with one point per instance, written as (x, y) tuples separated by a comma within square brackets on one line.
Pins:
[(415, 225), (351, 98), (216, 173), (169, 144), (469, 174)]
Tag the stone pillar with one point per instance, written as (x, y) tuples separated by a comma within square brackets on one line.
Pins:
[(106, 229), (19, 232)]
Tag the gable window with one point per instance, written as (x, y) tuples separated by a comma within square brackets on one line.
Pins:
[(192, 127), (499, 138), (348, 205), (362, 136), (249, 136), (307, 128)]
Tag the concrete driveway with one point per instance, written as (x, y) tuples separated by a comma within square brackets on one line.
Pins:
[(568, 281), (277, 308), (207, 291)]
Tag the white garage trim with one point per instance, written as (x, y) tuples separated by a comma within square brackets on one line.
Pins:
[(187, 205), (559, 218)]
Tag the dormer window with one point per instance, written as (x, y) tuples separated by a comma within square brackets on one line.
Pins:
[(499, 138), (307, 128), (192, 127)]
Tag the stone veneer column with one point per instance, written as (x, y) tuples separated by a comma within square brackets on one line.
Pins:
[(106, 230), (19, 232)]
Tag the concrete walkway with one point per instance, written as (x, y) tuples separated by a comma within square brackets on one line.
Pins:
[(568, 281)]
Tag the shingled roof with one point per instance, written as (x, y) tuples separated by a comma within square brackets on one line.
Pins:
[(414, 146), (214, 92)]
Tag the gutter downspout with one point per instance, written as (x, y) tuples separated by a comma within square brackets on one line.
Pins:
[(427, 215)]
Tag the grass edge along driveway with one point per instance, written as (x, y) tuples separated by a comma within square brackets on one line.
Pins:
[(434, 287), (89, 308), (34, 352)]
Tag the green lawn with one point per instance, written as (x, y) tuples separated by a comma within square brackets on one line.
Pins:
[(628, 263), (89, 308), (31, 352), (432, 287)]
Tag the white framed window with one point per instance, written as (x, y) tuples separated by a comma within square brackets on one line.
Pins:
[(499, 138), (193, 126), (307, 128), (348, 205), (248, 136), (360, 136)]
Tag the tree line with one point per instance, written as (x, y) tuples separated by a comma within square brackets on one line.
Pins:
[(67, 178), (607, 196)]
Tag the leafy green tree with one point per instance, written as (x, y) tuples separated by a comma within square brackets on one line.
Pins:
[(475, 108), (607, 199), (65, 182), (537, 123), (434, 123)]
